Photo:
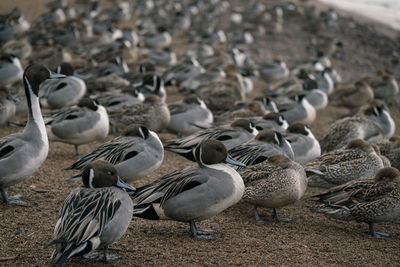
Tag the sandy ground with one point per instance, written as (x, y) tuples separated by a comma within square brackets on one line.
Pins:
[(311, 239)]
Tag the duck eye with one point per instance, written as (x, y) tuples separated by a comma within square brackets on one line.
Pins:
[(109, 173)]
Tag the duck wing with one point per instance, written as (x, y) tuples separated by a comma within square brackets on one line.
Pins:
[(81, 221)]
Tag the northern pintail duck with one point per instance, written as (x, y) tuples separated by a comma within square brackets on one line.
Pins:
[(189, 116), (299, 110), (93, 216), (152, 84), (165, 57), (273, 71), (275, 183), (353, 96), (78, 125), (115, 100), (194, 193), (7, 106), (10, 70), (358, 159), (366, 200), (240, 131), (182, 72), (152, 113), (21, 154), (64, 92), (266, 144), (20, 48), (375, 121), (161, 38), (135, 154), (383, 85), (273, 120), (304, 144)]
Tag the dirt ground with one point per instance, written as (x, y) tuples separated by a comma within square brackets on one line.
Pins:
[(309, 240)]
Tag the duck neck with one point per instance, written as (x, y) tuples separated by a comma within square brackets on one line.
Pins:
[(35, 119)]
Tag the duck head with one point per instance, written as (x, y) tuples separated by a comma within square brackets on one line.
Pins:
[(100, 174), (211, 152)]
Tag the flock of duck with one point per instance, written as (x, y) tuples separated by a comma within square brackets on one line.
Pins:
[(119, 86)]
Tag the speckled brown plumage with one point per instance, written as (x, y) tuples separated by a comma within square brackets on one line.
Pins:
[(359, 159), (366, 200)]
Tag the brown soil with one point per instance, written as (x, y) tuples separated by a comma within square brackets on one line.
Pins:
[(311, 239)]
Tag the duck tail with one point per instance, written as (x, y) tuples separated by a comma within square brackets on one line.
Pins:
[(146, 212), (334, 211)]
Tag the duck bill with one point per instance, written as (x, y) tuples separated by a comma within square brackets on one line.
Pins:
[(124, 185), (54, 75), (234, 162), (13, 99)]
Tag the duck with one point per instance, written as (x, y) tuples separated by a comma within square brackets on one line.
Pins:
[(92, 216), (267, 143), (64, 92), (371, 200), (22, 154), (189, 116), (135, 154), (20, 48), (79, 125), (152, 84), (274, 71), (299, 110), (240, 131), (10, 70), (165, 57), (179, 73), (114, 100), (7, 106), (372, 122), (274, 183), (358, 159), (273, 120), (352, 96), (194, 193), (383, 85), (303, 142), (152, 113)]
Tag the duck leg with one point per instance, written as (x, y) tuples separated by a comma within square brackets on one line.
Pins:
[(257, 216), (77, 151), (279, 219), (14, 200), (200, 234), (376, 234), (109, 257)]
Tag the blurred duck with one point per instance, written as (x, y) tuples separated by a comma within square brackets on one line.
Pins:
[(298, 110), (273, 120), (274, 71), (7, 106), (10, 70), (372, 200), (383, 85), (93, 216), (353, 96)]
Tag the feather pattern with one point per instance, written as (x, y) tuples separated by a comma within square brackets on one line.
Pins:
[(82, 219)]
